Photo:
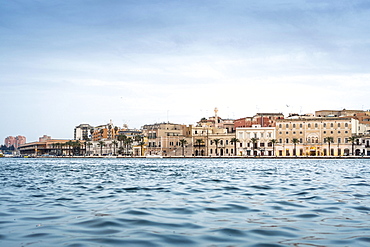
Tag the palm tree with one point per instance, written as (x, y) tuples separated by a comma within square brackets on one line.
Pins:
[(329, 140), (69, 144), (101, 144), (115, 144), (353, 140), (121, 139), (273, 141), (295, 141), (183, 142), (141, 144), (109, 131), (216, 143), (138, 138), (89, 144), (76, 147), (127, 143), (254, 142), (115, 132), (199, 142), (234, 141)]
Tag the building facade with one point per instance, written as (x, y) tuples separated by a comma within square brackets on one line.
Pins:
[(319, 136), (255, 140), (165, 139), (83, 132), (14, 141)]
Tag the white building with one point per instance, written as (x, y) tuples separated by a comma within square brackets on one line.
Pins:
[(255, 140)]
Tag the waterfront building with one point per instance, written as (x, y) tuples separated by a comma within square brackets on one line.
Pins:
[(83, 132), (261, 119), (213, 136), (14, 141), (256, 140), (362, 145), (53, 147), (165, 139), (212, 141), (318, 136), (105, 132)]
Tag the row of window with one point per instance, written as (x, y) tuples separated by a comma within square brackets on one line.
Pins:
[(313, 140), (255, 135), (301, 133), (316, 125)]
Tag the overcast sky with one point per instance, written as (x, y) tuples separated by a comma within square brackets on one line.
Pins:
[(67, 62)]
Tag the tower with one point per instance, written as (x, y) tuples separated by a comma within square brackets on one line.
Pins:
[(216, 118)]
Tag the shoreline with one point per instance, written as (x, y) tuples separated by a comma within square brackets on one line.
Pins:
[(195, 157)]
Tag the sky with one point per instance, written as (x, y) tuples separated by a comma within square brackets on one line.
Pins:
[(136, 62)]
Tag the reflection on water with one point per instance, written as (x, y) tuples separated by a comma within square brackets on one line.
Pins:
[(187, 202)]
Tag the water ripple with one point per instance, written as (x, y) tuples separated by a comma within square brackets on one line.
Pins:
[(187, 202)]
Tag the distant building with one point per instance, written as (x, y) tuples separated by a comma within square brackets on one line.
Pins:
[(309, 136), (44, 138), (14, 141), (83, 132), (262, 119)]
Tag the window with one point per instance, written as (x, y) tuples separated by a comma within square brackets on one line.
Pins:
[(300, 140), (286, 140), (331, 125), (324, 125), (316, 125), (221, 142), (309, 125), (338, 125), (300, 126), (293, 125), (241, 145), (287, 125), (339, 140), (280, 140), (227, 142), (346, 125)]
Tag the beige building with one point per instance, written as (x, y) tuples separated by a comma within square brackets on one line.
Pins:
[(165, 139), (212, 141), (310, 136)]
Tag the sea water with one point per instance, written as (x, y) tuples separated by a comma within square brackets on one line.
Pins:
[(184, 202)]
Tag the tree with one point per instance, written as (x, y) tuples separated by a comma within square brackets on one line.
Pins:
[(89, 144), (273, 142), (295, 141), (234, 141), (254, 143), (329, 140), (216, 143), (69, 144), (101, 144), (115, 144), (353, 139), (115, 132), (121, 139), (141, 144), (198, 143), (183, 142), (128, 143), (76, 147)]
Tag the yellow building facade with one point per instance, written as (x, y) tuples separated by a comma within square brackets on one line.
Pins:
[(327, 136)]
